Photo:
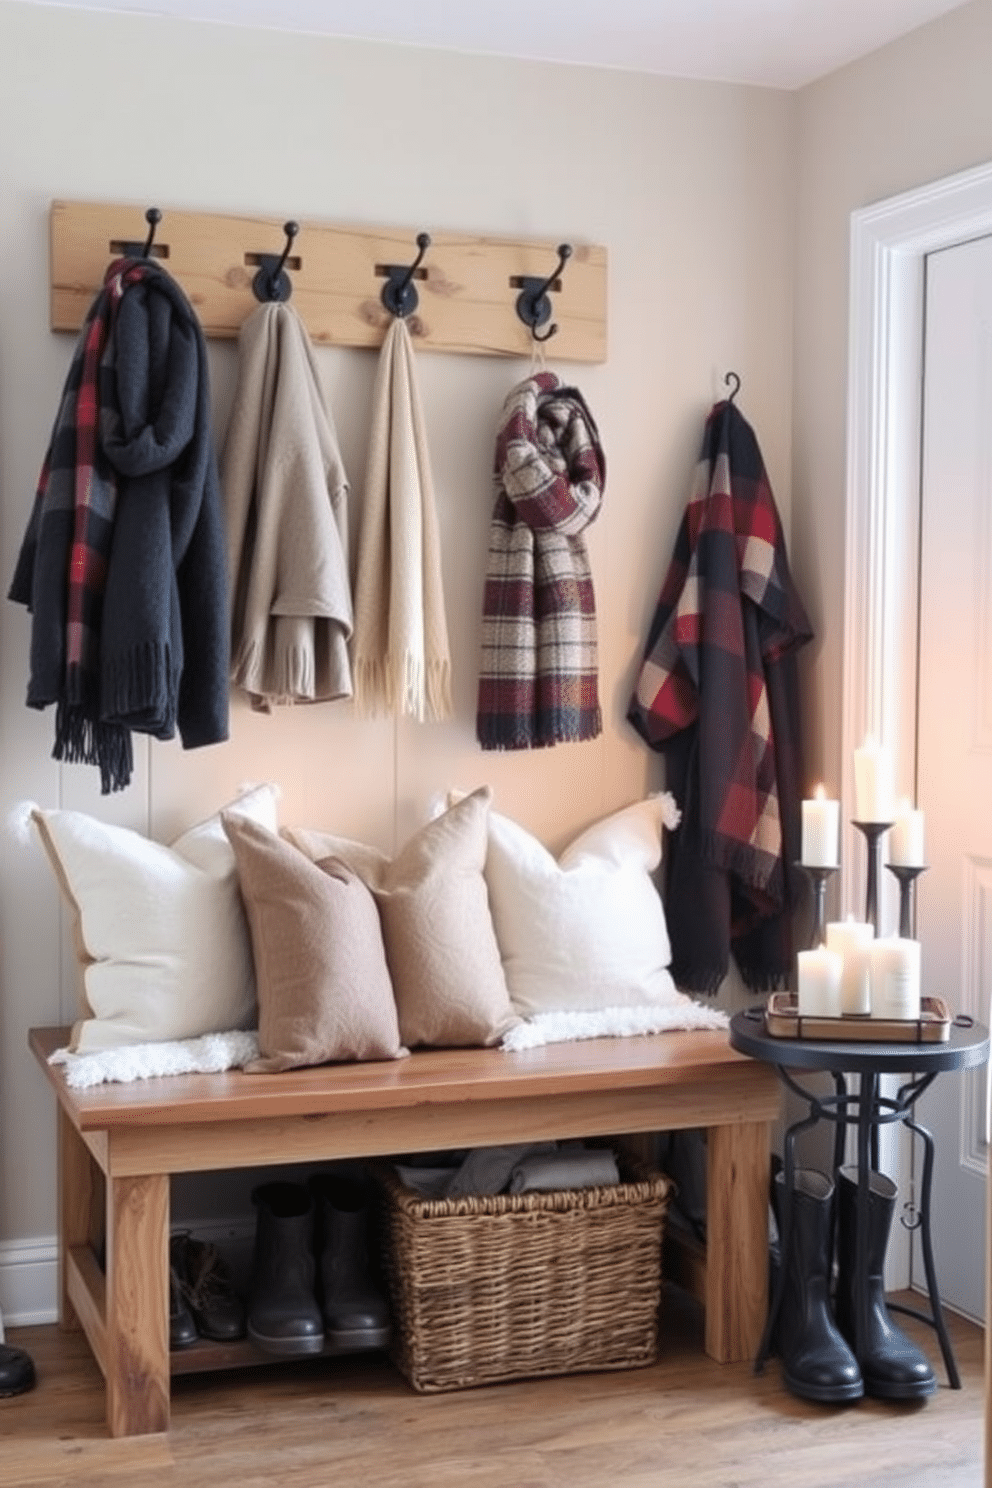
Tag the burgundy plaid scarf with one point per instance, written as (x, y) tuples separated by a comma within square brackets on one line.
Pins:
[(78, 482), (717, 693), (538, 675)]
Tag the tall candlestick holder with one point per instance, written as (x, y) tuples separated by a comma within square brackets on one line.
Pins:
[(873, 833), (819, 877), (907, 877)]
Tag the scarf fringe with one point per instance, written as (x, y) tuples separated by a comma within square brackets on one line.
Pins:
[(409, 688), (508, 731), (85, 741)]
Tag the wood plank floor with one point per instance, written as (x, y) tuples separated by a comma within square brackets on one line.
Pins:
[(685, 1422)]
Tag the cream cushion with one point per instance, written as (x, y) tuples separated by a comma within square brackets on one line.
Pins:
[(324, 992), (585, 931), (160, 932), (440, 944)]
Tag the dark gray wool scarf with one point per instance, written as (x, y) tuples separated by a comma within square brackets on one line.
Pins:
[(129, 494)]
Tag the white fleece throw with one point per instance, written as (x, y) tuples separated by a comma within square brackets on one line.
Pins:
[(286, 502), (401, 662), (207, 1055), (616, 1022)]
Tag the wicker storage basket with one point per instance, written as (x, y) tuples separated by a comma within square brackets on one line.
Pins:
[(517, 1285)]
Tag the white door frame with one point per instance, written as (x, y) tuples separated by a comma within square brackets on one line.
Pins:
[(889, 244)]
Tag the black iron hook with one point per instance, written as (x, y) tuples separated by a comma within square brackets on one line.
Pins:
[(271, 284), (533, 302), (399, 293), (143, 250), (736, 382)]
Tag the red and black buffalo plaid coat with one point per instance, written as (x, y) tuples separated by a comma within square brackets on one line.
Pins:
[(717, 694)]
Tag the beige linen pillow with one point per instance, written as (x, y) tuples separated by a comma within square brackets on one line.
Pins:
[(440, 943), (324, 991), (160, 932)]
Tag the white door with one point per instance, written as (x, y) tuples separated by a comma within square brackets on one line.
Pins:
[(954, 739)]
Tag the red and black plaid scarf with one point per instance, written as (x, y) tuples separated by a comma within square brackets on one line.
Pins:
[(717, 694), (77, 478), (538, 676), (94, 483)]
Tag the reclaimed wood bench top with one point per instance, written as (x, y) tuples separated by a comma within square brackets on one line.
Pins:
[(428, 1077)]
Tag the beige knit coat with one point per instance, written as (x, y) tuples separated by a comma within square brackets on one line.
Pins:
[(286, 501)]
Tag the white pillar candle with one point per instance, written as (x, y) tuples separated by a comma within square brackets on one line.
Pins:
[(906, 838), (873, 792), (821, 830), (850, 939), (820, 972), (894, 977)]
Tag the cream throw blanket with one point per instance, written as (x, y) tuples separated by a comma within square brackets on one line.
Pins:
[(286, 495), (400, 652)]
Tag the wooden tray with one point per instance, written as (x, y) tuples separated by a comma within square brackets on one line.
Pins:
[(933, 1026)]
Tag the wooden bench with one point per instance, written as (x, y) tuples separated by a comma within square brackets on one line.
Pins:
[(119, 1143)]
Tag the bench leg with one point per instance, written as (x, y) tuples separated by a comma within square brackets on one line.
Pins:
[(137, 1305), (736, 1240), (80, 1192)]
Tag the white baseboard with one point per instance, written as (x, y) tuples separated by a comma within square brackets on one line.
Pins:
[(29, 1282), (29, 1269)]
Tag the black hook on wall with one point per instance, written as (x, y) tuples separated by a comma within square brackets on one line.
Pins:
[(142, 250), (732, 376), (399, 293), (271, 284), (533, 302)]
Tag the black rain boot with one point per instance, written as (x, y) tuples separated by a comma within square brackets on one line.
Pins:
[(16, 1371), (816, 1362), (356, 1312), (283, 1316), (891, 1364)]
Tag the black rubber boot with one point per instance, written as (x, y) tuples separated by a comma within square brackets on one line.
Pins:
[(355, 1308), (16, 1371), (283, 1316), (892, 1366), (816, 1362)]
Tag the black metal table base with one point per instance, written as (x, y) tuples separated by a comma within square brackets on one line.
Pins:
[(869, 1111)]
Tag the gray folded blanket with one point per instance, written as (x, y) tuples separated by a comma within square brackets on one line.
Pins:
[(590, 1168), (517, 1168)]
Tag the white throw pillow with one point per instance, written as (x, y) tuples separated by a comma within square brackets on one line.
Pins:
[(161, 933), (586, 931)]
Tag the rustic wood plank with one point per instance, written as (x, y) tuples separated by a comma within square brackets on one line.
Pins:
[(737, 1178), (432, 1077), (87, 1289), (353, 1421), (79, 1194), (137, 1305), (466, 299), (200, 1147)]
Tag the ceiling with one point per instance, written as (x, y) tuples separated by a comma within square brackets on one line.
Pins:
[(773, 43)]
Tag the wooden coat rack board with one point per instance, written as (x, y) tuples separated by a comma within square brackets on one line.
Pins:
[(467, 286)]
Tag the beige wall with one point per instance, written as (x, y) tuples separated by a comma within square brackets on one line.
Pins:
[(916, 111), (689, 186)]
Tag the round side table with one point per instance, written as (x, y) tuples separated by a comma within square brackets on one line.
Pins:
[(966, 1047)]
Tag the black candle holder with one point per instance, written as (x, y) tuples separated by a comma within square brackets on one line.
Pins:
[(873, 833), (819, 877), (907, 879)]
